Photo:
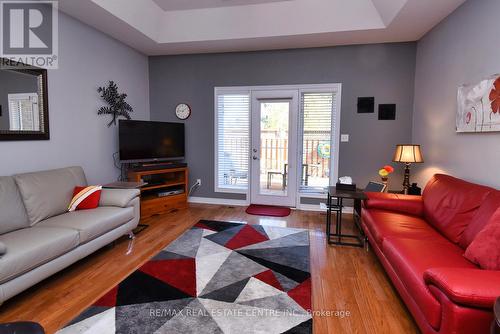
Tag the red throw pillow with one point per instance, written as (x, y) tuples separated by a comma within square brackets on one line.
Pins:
[(85, 198), (484, 250)]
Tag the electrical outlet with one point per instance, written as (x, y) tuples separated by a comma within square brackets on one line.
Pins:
[(344, 138), (198, 181)]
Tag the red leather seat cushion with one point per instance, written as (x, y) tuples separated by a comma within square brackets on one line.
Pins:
[(410, 258), (481, 218), (383, 224), (450, 204), (485, 248)]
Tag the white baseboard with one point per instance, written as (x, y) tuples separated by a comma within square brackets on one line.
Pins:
[(242, 202), (217, 201)]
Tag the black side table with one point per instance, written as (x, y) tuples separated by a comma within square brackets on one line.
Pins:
[(495, 326), (335, 204)]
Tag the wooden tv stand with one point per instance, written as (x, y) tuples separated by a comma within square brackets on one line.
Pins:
[(161, 180)]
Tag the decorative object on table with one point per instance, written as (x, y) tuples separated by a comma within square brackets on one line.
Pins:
[(414, 190), (386, 112), (479, 106), (117, 106), (407, 154), (345, 183), (213, 270), (384, 173), (375, 187), (366, 105), (183, 111)]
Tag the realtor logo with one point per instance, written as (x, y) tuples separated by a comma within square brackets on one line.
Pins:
[(29, 33)]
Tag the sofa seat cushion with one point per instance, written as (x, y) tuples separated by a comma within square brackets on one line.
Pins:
[(93, 223), (383, 224), (410, 258), (31, 247)]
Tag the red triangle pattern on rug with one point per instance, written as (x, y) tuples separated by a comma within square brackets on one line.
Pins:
[(179, 273), (268, 277), (302, 294), (268, 210), (245, 237), (109, 299), (204, 226)]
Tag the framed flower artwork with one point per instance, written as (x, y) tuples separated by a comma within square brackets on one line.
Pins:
[(479, 106)]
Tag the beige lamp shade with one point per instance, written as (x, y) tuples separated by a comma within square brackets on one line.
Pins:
[(408, 154)]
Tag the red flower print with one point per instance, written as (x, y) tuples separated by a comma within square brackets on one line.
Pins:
[(495, 96), (468, 117)]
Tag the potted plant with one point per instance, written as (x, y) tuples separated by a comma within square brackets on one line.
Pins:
[(384, 175)]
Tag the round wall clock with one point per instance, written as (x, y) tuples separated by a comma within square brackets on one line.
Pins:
[(182, 111)]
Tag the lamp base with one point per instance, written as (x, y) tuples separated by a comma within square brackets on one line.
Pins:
[(406, 180)]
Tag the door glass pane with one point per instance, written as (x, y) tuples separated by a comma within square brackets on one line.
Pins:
[(274, 126)]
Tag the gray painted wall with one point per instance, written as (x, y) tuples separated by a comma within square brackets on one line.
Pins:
[(462, 49), (87, 59), (11, 83), (385, 71)]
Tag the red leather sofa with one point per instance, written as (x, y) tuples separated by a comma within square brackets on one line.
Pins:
[(421, 240)]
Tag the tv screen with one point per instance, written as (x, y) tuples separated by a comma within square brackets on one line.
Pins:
[(143, 141)]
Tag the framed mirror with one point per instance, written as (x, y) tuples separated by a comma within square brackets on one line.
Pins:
[(24, 111)]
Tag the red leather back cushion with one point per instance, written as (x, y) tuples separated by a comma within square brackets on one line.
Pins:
[(484, 249), (481, 218), (450, 204)]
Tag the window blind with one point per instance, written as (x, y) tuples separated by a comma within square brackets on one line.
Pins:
[(233, 141), (24, 112), (317, 123)]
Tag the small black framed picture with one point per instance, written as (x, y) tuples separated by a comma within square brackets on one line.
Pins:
[(386, 112), (366, 105)]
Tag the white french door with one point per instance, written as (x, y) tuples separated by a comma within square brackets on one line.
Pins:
[(274, 147)]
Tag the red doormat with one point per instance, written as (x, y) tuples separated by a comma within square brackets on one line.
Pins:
[(268, 210)]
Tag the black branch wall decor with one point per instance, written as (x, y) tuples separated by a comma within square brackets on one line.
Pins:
[(117, 106)]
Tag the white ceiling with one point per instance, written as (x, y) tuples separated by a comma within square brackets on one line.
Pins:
[(198, 4), (157, 27)]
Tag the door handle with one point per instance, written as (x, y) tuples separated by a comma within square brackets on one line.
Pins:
[(255, 157)]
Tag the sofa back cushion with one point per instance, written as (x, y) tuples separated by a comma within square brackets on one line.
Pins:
[(450, 204), (12, 212), (480, 218), (484, 249), (48, 193)]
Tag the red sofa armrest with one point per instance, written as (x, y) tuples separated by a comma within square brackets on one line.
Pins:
[(409, 204), (470, 287)]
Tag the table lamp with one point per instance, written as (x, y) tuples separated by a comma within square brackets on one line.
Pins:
[(407, 154)]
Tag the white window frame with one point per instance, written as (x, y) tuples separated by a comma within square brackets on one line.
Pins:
[(301, 88)]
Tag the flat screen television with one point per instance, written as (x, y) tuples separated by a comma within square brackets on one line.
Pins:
[(144, 141)]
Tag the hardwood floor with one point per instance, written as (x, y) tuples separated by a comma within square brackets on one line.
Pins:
[(343, 278)]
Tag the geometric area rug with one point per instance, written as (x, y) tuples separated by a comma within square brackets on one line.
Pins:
[(217, 277)]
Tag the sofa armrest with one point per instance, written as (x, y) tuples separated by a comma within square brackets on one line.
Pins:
[(470, 287), (409, 204), (3, 249), (118, 197)]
